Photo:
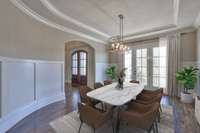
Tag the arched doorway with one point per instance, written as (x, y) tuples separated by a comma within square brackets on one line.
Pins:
[(79, 67)]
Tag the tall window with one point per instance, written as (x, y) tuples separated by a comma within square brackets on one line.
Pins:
[(141, 65), (128, 64), (159, 66)]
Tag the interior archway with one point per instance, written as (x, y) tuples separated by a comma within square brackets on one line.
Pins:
[(72, 47)]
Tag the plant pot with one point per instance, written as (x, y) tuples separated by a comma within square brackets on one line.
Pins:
[(187, 97)]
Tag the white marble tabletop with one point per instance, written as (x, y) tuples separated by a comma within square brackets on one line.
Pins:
[(110, 95)]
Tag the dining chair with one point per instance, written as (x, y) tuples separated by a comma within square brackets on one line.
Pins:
[(84, 98), (134, 81), (107, 82), (98, 85), (140, 116), (93, 117), (150, 97), (151, 92)]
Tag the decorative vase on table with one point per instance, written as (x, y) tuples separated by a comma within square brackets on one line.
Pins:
[(121, 78), (188, 78)]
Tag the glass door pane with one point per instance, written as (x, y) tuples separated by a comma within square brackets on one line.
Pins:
[(83, 63), (159, 66), (128, 65), (141, 65)]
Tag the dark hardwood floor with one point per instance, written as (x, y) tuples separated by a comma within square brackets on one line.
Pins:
[(38, 122)]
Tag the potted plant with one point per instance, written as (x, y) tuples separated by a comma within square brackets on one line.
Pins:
[(188, 78), (111, 72)]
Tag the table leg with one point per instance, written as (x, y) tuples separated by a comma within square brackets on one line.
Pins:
[(118, 121)]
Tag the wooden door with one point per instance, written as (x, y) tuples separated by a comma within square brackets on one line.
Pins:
[(79, 67)]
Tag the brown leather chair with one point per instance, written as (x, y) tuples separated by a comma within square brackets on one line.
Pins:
[(140, 116), (84, 98), (149, 97), (145, 94), (134, 81), (107, 82), (98, 85), (93, 117)]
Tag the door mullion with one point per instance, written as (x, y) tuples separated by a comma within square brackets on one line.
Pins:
[(150, 67), (134, 64)]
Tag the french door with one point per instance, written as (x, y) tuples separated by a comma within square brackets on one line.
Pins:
[(79, 67), (149, 66)]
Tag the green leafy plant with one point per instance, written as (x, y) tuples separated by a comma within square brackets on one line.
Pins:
[(111, 72), (187, 77)]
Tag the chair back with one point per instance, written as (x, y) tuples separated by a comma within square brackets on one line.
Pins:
[(107, 82), (83, 90), (134, 81), (98, 85), (92, 116)]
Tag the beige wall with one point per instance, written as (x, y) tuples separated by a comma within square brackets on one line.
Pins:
[(23, 37), (188, 48)]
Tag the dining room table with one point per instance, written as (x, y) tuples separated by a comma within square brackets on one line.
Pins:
[(116, 97)]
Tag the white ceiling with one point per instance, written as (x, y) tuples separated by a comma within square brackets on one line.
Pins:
[(97, 19)]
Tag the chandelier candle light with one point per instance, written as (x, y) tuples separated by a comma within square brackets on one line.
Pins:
[(117, 43)]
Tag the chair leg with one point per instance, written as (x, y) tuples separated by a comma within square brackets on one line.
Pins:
[(160, 108), (154, 131), (94, 130), (156, 124), (118, 126), (80, 127), (149, 130), (113, 130), (102, 107), (159, 116)]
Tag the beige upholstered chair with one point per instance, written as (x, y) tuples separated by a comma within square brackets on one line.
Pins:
[(92, 116)]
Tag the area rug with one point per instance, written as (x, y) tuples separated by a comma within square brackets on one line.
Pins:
[(70, 124)]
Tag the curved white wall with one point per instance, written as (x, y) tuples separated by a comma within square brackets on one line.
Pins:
[(27, 85)]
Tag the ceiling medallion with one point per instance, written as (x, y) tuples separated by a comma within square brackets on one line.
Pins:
[(117, 43)]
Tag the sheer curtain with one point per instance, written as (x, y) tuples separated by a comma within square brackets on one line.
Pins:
[(173, 46)]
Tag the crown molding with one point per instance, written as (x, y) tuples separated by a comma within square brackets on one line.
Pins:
[(150, 31), (63, 16), (184, 29), (23, 7)]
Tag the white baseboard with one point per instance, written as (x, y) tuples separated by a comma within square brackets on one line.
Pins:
[(11, 119)]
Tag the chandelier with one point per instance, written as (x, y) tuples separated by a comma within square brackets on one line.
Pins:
[(117, 43)]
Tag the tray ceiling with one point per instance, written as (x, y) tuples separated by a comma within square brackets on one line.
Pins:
[(97, 19)]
